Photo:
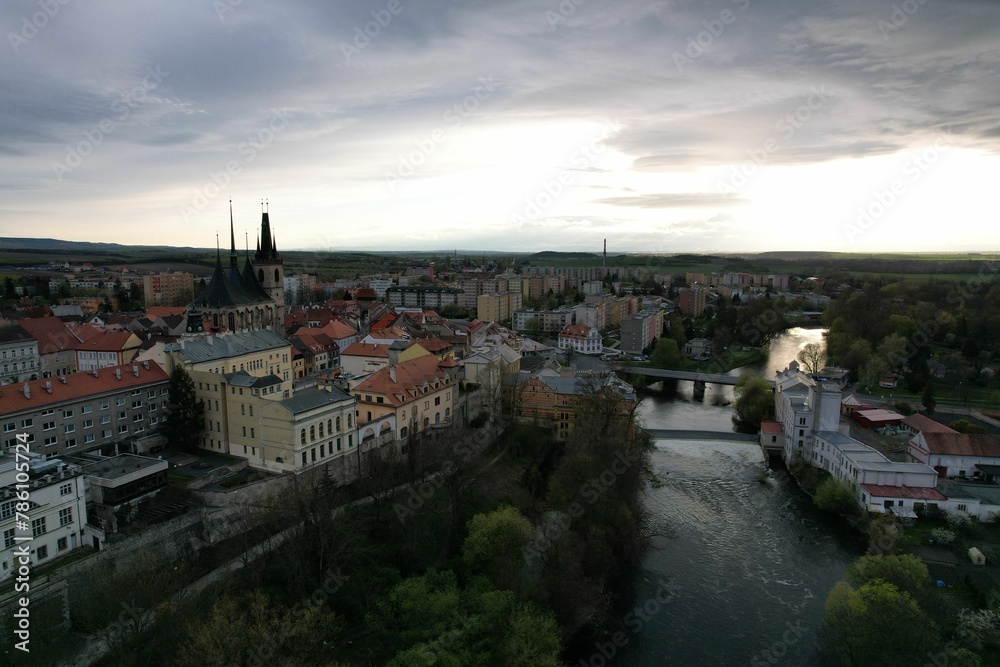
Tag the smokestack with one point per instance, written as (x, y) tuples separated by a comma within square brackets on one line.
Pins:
[(605, 261)]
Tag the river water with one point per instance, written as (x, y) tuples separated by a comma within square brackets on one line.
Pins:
[(739, 569)]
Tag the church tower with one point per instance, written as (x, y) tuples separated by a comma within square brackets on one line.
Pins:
[(269, 266)]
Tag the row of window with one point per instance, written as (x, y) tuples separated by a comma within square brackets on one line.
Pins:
[(68, 413), (331, 428), (323, 453), (21, 351)]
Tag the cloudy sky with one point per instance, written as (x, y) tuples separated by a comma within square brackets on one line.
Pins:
[(682, 125)]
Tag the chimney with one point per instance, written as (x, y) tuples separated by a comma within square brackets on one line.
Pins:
[(62, 378), (48, 386), (392, 372), (27, 390), (135, 370), (95, 372), (145, 365), (118, 373)]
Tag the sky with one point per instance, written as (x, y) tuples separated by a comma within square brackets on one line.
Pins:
[(523, 125)]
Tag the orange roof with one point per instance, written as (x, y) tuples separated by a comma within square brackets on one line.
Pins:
[(770, 426), (78, 385), (963, 444), (52, 333), (155, 312), (575, 331), (366, 350), (924, 424), (111, 341), (411, 377)]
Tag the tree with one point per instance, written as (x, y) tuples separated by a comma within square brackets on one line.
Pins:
[(666, 354), (907, 573), (186, 417), (928, 399), (872, 372), (495, 542), (835, 496), (812, 356), (754, 402), (965, 426), (877, 624)]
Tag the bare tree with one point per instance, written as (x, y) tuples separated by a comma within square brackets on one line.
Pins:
[(812, 356)]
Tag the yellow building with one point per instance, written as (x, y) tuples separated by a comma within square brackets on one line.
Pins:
[(418, 393), (497, 307)]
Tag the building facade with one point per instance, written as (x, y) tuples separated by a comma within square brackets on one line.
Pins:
[(19, 358), (168, 289)]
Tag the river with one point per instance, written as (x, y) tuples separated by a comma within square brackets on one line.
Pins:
[(739, 569)]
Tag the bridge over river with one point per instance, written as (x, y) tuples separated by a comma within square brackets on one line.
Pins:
[(693, 376)]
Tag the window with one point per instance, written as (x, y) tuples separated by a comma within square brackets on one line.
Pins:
[(88, 423), (338, 444), (7, 509), (312, 433), (27, 423), (251, 411), (152, 420), (312, 454), (8, 538), (120, 401), (87, 409), (123, 429), (136, 405), (152, 407), (89, 438), (38, 526), (251, 432), (338, 424), (963, 508), (43, 552), (48, 413), (437, 400), (244, 435), (61, 544), (106, 433), (302, 433), (48, 426), (69, 428), (50, 441), (106, 419), (65, 516), (105, 405), (151, 393), (322, 451), (243, 409), (71, 443), (9, 426), (303, 459), (321, 430), (67, 414)]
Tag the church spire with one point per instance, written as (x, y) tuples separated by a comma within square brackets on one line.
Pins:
[(233, 257)]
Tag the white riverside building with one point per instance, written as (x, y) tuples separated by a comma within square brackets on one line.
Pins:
[(808, 413)]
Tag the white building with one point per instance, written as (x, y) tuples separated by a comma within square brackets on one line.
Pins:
[(57, 515), (581, 338)]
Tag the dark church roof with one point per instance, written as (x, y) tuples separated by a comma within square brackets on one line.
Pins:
[(231, 288)]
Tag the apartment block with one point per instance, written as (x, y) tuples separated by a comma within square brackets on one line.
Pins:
[(497, 307), (640, 331), (168, 289)]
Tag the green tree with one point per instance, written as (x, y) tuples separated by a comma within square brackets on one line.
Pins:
[(965, 426), (835, 496), (872, 372), (754, 402), (907, 573), (927, 398), (666, 354), (186, 416), (877, 624), (811, 355), (495, 542)]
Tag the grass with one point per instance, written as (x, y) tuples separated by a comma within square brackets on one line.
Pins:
[(968, 397)]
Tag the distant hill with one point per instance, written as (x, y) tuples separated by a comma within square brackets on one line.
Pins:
[(552, 254), (31, 244)]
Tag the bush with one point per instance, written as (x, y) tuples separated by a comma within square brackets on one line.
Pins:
[(943, 535), (835, 496), (479, 420), (958, 520)]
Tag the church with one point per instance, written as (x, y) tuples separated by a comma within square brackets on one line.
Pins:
[(246, 300)]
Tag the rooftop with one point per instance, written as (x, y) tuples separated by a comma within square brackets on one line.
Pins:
[(315, 398), (213, 348), (914, 492), (121, 465), (27, 396)]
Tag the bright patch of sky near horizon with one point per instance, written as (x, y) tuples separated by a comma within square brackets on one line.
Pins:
[(672, 126)]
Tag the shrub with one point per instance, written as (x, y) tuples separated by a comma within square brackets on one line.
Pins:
[(943, 535)]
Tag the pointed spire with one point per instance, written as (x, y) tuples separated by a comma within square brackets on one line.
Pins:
[(218, 251), (233, 257), (274, 246)]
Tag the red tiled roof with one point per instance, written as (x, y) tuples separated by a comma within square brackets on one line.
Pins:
[(52, 333), (366, 350), (410, 378), (924, 424), (575, 331), (769, 426), (910, 492), (155, 312), (111, 341), (962, 444), (77, 385)]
